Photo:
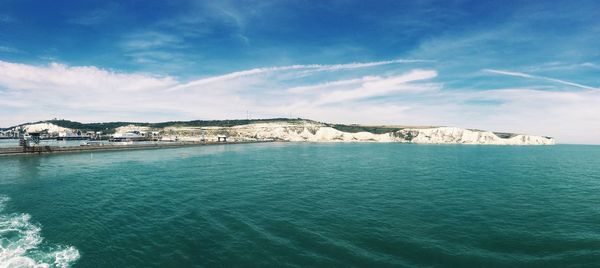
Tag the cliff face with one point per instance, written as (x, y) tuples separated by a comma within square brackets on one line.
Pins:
[(465, 136), (310, 131), (49, 127), (315, 132)]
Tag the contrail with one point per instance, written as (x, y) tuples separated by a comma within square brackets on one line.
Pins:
[(524, 75)]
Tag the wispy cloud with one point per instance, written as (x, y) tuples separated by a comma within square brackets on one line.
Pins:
[(530, 76), (562, 66), (590, 65), (156, 51), (367, 87), (208, 17), (6, 49), (381, 87), (151, 40), (330, 85), (312, 67)]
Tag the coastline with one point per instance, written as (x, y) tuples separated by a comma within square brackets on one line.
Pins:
[(281, 129)]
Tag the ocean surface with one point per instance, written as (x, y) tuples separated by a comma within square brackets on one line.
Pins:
[(303, 204)]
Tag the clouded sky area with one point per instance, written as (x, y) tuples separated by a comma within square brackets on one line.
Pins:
[(515, 66)]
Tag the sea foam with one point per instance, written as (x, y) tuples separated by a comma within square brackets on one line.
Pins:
[(21, 244)]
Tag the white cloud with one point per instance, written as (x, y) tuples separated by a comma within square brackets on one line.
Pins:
[(382, 86), (59, 77)]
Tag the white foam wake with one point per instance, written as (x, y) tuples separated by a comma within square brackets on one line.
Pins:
[(21, 244)]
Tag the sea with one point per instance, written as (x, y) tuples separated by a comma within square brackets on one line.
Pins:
[(304, 205)]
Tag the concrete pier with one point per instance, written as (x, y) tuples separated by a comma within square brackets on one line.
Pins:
[(107, 147)]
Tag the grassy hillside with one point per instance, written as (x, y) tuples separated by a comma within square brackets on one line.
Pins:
[(359, 128), (109, 127), (504, 135)]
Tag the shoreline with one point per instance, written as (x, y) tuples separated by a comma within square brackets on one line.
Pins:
[(8, 151)]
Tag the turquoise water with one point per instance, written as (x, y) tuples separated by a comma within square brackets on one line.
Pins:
[(290, 204)]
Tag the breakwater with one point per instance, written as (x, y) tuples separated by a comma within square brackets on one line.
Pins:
[(107, 147)]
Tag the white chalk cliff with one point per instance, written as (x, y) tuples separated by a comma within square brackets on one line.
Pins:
[(311, 131), (37, 127), (316, 132)]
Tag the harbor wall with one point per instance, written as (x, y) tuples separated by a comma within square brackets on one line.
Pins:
[(105, 147)]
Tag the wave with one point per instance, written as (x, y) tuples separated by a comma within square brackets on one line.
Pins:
[(21, 244)]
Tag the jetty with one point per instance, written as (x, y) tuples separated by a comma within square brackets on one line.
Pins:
[(41, 149)]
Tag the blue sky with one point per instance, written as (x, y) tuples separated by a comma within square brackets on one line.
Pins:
[(523, 66)]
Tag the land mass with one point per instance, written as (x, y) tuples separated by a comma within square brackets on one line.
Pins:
[(277, 129)]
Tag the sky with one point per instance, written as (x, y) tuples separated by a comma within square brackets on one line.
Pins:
[(529, 67)]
